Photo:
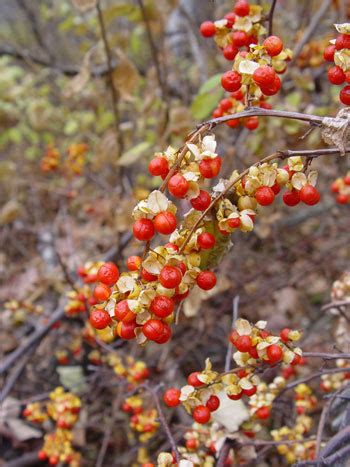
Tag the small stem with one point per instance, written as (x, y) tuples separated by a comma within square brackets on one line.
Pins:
[(270, 17), (114, 92), (162, 419)]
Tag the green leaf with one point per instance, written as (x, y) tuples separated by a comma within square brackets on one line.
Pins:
[(203, 104), (134, 154), (212, 83)]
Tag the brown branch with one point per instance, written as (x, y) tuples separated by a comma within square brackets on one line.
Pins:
[(314, 23), (114, 92), (259, 112), (153, 391), (327, 356), (270, 16), (339, 304)]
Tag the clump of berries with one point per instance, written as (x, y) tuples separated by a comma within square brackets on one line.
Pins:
[(341, 188), (142, 420), (72, 164), (255, 347), (337, 52), (256, 62), (63, 408)]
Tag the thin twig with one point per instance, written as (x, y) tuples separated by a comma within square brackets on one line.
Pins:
[(114, 92), (314, 23), (270, 17), (153, 391), (228, 358)]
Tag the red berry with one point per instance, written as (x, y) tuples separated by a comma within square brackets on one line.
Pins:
[(342, 42), (178, 186), (165, 223), (233, 123), (309, 195), (231, 18), (206, 240), (264, 195), (123, 313), (133, 263), (235, 397), (253, 352), (336, 75), (291, 198), (42, 455), (249, 392), (266, 105), (207, 29), (251, 123), (201, 414), (99, 319), (126, 330), (230, 52), (263, 413), (209, 168), (147, 276), (153, 329), (170, 277), (202, 202), (213, 403), (191, 444), (234, 222), (347, 76), (328, 53), (53, 460), (102, 292), (206, 280), (162, 306), (273, 88), (284, 334), (225, 104), (172, 246), (241, 8), (276, 188), (217, 113), (264, 75), (274, 353), (243, 343), (143, 229), (231, 81), (165, 336), (273, 45), (296, 360), (238, 95), (344, 95), (108, 273), (342, 199), (172, 397), (240, 38), (158, 166), (193, 380), (347, 179)]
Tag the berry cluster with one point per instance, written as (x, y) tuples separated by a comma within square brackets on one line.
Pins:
[(300, 450), (72, 164), (133, 371), (255, 346), (63, 408), (338, 53), (256, 64), (18, 311), (341, 187), (333, 382), (142, 420), (141, 302)]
